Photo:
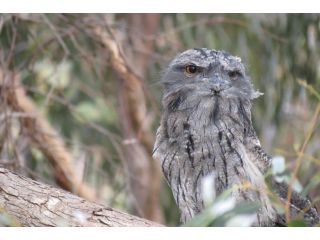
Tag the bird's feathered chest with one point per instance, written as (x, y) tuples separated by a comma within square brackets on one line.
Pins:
[(197, 138)]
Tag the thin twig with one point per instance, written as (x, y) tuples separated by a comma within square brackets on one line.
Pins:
[(54, 30), (299, 161), (12, 47), (309, 88)]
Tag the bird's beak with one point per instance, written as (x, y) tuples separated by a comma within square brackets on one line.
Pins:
[(217, 85)]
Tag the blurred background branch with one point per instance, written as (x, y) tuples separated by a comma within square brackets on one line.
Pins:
[(43, 135)]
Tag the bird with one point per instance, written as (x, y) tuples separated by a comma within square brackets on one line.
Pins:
[(206, 128)]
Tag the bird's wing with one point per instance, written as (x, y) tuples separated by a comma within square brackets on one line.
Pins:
[(300, 207)]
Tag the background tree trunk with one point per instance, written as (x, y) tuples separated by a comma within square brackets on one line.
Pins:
[(143, 172), (31, 203)]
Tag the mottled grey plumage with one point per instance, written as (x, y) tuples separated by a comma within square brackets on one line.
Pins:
[(206, 127)]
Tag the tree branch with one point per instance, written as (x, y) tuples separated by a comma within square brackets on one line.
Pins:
[(143, 171), (32, 203), (43, 135)]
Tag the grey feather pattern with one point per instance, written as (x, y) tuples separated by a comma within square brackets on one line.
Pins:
[(206, 127)]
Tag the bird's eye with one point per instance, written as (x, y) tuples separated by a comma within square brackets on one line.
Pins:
[(234, 74), (191, 69)]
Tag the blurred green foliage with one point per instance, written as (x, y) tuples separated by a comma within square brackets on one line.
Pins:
[(66, 73)]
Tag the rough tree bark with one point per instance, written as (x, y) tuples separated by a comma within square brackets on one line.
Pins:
[(32, 203)]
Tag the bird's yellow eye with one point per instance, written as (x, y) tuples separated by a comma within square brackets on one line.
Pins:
[(191, 69)]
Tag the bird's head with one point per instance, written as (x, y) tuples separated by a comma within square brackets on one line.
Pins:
[(208, 73)]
